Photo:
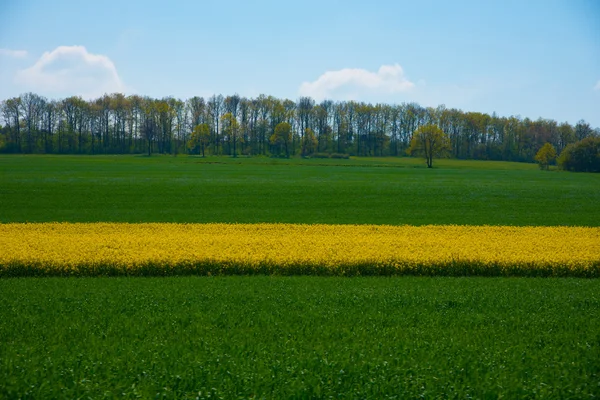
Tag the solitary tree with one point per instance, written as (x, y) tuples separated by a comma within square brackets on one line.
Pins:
[(429, 141), (546, 156)]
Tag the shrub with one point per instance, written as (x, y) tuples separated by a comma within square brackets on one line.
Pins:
[(320, 155), (340, 155), (582, 156)]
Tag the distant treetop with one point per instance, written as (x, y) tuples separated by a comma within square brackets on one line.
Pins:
[(232, 125)]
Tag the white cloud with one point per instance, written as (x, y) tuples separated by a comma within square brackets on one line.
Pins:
[(71, 70), (597, 87), (353, 83), (13, 53)]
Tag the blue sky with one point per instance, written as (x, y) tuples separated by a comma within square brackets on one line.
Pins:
[(530, 58)]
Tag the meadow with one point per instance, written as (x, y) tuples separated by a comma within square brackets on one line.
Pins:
[(392, 191), (301, 336)]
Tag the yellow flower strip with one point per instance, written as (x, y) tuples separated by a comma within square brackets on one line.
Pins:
[(92, 249)]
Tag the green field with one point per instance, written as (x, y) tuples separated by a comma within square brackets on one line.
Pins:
[(358, 191), (297, 337), (302, 337)]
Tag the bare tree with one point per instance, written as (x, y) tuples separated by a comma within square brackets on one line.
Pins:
[(31, 110), (215, 106)]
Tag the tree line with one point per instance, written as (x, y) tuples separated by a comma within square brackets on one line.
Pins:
[(265, 125)]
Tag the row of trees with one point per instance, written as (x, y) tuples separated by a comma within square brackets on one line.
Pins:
[(265, 125)]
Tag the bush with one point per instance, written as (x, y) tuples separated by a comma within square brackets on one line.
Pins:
[(340, 155), (582, 156), (320, 155), (333, 155)]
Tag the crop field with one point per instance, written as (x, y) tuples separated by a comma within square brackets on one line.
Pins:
[(518, 317), (94, 249), (251, 190), (299, 337)]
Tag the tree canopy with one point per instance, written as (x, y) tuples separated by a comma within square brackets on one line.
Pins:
[(429, 141), (281, 138), (119, 124), (582, 156), (200, 138), (546, 156)]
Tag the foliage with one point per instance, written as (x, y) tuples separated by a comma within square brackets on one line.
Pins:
[(429, 141), (200, 138), (119, 124), (582, 156), (374, 190), (283, 249), (546, 156), (340, 156), (299, 337), (309, 142), (281, 138), (231, 130)]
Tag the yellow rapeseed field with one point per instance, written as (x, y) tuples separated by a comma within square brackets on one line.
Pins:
[(89, 249)]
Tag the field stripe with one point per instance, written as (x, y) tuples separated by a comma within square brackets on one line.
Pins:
[(98, 249)]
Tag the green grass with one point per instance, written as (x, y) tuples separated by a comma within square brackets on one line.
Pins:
[(297, 337), (373, 190), (301, 337)]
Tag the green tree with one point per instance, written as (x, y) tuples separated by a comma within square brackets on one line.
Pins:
[(583, 130), (200, 138), (582, 156), (429, 141), (231, 130), (546, 156), (281, 137), (149, 127), (309, 142), (566, 135), (2, 141)]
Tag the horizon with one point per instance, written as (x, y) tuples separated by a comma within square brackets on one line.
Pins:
[(534, 60)]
